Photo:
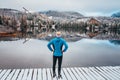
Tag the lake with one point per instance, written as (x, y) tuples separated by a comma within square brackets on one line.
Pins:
[(35, 54)]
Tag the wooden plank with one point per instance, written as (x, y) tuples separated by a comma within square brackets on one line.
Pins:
[(55, 78), (71, 74), (89, 74), (39, 74), (11, 75), (80, 74), (2, 73), (116, 72), (25, 75), (16, 74), (104, 73), (6, 74), (97, 75), (49, 74), (30, 74), (35, 74), (63, 75), (76, 74), (116, 69), (44, 74), (21, 74), (67, 74), (101, 73), (92, 74), (85, 74), (112, 73)]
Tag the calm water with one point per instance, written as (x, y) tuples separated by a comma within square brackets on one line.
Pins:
[(35, 54)]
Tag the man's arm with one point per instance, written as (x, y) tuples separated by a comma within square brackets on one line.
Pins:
[(49, 45), (66, 46)]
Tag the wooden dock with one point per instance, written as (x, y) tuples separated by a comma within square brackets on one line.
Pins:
[(75, 73)]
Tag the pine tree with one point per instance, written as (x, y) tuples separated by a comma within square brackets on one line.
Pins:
[(0, 20)]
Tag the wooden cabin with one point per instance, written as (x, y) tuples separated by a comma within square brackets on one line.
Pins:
[(94, 21), (94, 27)]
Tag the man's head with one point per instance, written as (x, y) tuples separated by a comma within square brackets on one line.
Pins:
[(58, 34)]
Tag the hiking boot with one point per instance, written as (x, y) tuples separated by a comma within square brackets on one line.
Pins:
[(60, 76), (54, 75)]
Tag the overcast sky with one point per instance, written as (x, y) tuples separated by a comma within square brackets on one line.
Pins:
[(86, 7)]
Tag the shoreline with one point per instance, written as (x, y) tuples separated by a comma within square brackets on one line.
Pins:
[(71, 39)]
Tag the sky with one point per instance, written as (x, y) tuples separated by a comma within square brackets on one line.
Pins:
[(85, 7)]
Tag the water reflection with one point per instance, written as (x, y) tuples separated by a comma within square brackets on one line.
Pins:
[(34, 53), (116, 42)]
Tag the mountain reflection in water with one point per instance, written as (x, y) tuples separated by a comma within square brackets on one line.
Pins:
[(117, 42), (35, 54)]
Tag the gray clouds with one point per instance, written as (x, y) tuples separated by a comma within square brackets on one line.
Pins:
[(84, 6)]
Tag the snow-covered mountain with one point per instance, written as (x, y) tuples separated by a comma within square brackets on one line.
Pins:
[(62, 15), (14, 12)]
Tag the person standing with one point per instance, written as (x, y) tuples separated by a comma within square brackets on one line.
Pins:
[(56, 46)]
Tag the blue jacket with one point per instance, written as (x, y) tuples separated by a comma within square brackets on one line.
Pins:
[(56, 46)]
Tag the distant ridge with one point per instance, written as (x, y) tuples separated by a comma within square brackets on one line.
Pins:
[(117, 14), (8, 10), (63, 14)]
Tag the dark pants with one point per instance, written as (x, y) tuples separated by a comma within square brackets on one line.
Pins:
[(55, 58)]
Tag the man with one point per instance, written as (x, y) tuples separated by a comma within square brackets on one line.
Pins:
[(56, 46)]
